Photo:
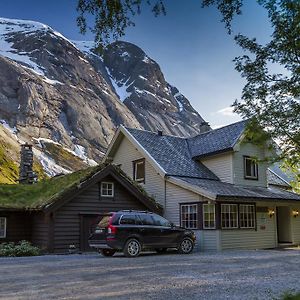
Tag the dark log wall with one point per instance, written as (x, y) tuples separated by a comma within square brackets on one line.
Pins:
[(40, 231), (67, 219), (18, 226)]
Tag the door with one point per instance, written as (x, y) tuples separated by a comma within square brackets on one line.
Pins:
[(88, 225), (284, 224)]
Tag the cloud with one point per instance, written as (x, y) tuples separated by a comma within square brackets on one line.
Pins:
[(227, 111)]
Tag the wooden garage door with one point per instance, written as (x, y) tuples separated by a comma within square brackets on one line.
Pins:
[(88, 224)]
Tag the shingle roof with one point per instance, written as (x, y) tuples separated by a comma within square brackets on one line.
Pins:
[(227, 190), (172, 154), (215, 141), (275, 179)]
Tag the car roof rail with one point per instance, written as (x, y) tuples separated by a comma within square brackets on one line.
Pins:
[(136, 211)]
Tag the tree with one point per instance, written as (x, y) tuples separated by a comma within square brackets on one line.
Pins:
[(270, 99)]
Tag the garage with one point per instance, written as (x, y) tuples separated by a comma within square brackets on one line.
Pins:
[(64, 222)]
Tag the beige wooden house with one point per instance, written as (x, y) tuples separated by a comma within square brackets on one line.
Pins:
[(214, 184)]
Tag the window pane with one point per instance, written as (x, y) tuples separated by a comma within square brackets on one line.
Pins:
[(139, 171), (2, 227), (208, 216), (250, 167), (107, 189), (189, 216), (229, 215), (128, 220), (247, 216), (147, 219)]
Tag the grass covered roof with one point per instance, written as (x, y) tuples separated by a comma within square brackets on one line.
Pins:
[(48, 191)]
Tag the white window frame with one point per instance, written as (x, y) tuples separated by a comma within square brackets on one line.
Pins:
[(251, 223), (255, 176), (112, 189), (189, 220), (229, 220), (4, 229), (209, 212), (136, 163)]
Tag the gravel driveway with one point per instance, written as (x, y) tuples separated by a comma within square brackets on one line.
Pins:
[(228, 275)]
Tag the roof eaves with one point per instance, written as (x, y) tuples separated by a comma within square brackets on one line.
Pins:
[(213, 153), (192, 188), (154, 163)]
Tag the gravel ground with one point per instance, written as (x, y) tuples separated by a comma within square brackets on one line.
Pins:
[(264, 274)]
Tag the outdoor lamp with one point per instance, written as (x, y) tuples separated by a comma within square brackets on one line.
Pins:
[(271, 213), (295, 213)]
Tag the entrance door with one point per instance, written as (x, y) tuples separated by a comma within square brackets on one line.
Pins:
[(88, 225), (284, 224)]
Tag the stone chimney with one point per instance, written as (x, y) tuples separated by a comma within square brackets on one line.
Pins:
[(27, 176), (204, 127)]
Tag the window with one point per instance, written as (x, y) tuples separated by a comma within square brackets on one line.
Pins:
[(229, 215), (189, 216), (160, 221), (139, 170), (2, 227), (209, 216), (107, 189), (247, 216), (250, 168), (146, 219), (128, 220)]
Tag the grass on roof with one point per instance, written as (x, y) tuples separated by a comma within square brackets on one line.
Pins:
[(40, 194)]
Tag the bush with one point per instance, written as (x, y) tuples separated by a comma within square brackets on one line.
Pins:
[(290, 296), (23, 248)]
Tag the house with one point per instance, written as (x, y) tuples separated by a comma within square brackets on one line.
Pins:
[(62, 211), (215, 183)]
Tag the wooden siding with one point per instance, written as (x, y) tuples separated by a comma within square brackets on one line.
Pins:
[(18, 226), (221, 165), (67, 219), (295, 225), (154, 183), (238, 165), (40, 231)]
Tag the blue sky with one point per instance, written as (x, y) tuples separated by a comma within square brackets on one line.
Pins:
[(190, 44)]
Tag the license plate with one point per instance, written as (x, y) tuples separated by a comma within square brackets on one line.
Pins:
[(99, 230)]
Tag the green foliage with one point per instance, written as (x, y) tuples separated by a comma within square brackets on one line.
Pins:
[(290, 296), (9, 171), (42, 193), (23, 248), (112, 17), (63, 157)]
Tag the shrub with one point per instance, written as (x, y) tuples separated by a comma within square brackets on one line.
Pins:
[(23, 248), (290, 296)]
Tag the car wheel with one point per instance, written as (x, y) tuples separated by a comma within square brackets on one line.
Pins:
[(186, 246), (132, 248), (107, 252), (161, 250)]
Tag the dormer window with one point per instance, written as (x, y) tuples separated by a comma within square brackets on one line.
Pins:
[(250, 168), (139, 170)]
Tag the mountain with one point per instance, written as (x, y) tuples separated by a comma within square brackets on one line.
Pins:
[(69, 100)]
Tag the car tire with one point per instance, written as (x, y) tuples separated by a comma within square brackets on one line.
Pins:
[(132, 248), (107, 252), (161, 250), (186, 246)]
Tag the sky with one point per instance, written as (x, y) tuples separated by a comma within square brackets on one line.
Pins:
[(190, 44)]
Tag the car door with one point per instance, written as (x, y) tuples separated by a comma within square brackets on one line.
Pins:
[(168, 233), (150, 233)]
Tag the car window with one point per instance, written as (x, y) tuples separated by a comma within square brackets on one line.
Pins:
[(128, 219), (146, 219), (104, 222), (160, 221)]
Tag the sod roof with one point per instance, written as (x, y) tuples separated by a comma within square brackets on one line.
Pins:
[(40, 195)]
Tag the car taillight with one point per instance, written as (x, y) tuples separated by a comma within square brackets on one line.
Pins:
[(111, 229)]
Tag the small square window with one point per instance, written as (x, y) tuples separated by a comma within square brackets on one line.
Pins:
[(2, 227), (139, 171), (107, 189), (250, 168)]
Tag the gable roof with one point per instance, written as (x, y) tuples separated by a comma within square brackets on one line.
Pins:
[(172, 154), (219, 190), (51, 194), (216, 141), (275, 179)]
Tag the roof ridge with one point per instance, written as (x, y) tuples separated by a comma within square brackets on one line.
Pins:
[(155, 133)]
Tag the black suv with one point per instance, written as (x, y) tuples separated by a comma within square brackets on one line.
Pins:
[(132, 231)]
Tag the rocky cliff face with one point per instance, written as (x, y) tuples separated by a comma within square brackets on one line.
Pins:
[(54, 91)]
